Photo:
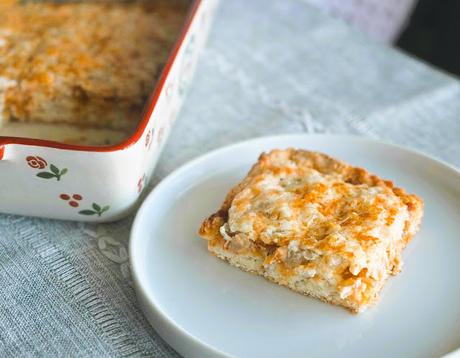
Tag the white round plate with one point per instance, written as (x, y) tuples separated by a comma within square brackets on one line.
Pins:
[(203, 307)]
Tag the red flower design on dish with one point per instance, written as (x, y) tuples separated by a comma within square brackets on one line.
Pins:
[(140, 183), (72, 203), (169, 90), (149, 138), (36, 162)]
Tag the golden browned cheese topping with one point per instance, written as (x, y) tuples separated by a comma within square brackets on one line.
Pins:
[(347, 233), (87, 52)]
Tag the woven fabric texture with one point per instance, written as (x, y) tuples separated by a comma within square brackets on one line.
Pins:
[(270, 67)]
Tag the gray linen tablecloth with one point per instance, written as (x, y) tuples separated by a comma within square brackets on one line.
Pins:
[(270, 67)]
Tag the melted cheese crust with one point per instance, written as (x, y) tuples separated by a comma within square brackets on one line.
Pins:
[(85, 63), (320, 219)]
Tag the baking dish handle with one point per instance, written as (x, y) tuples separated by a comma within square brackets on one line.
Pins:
[(2, 151), (6, 150)]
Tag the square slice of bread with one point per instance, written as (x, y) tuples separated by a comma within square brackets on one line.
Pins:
[(87, 64), (316, 225)]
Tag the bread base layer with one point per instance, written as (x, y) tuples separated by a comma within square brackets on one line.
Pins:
[(306, 286)]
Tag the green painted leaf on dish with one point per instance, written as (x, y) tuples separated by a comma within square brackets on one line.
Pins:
[(54, 169), (46, 175), (87, 212)]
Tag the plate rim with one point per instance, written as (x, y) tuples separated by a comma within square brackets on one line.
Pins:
[(184, 336)]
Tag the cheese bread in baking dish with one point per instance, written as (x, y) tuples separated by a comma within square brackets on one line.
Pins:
[(316, 225), (86, 64)]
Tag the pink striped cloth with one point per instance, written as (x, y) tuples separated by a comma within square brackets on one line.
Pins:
[(383, 20)]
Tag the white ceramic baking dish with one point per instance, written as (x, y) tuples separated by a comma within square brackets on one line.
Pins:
[(56, 180)]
